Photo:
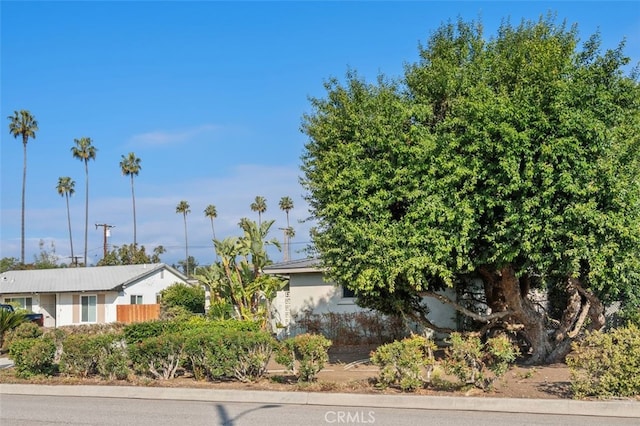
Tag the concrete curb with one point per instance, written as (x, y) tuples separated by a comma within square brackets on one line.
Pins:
[(617, 408)]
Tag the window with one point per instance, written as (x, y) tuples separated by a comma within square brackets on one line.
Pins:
[(22, 302), (136, 299), (347, 293), (88, 308)]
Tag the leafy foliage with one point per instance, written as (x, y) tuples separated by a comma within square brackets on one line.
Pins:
[(402, 363), (607, 364), (23, 329), (159, 357), (238, 287), (514, 159), (185, 295), (32, 357), (309, 352), (468, 358), (101, 354), (9, 320), (130, 254)]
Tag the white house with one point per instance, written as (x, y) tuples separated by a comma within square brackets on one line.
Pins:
[(69, 296), (308, 290)]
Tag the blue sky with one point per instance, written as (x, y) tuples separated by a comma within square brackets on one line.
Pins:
[(210, 95)]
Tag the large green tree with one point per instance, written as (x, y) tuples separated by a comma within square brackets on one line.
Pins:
[(184, 209), (511, 161), (85, 151), (130, 166), (23, 124), (66, 188)]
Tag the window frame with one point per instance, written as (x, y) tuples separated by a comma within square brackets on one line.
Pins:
[(25, 302), (348, 293), (88, 319)]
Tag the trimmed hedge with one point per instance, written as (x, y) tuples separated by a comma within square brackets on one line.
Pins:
[(102, 355)]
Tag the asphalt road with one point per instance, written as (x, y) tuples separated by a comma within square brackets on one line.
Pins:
[(72, 410)]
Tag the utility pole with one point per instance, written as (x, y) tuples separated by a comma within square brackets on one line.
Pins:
[(106, 233)]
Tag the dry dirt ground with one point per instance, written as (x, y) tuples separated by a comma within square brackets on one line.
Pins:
[(349, 371)]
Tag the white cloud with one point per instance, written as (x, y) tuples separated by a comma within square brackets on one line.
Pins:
[(159, 224), (163, 137)]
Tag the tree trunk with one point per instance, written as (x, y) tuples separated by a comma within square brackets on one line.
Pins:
[(505, 292), (70, 235), (24, 186), (86, 209), (133, 197)]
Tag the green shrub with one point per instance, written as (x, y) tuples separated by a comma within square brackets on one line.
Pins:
[(309, 351), (159, 357), (87, 355), (500, 354), (175, 313), (92, 329), (139, 331), (402, 363), (252, 350), (33, 356), (606, 364), (468, 358), (25, 330), (185, 295), (206, 354), (218, 353), (9, 321), (631, 315)]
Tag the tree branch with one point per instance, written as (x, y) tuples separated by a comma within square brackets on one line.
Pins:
[(465, 311)]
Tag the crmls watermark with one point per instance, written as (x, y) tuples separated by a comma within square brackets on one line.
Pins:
[(358, 417)]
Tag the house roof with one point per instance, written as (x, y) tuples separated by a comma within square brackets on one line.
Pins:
[(294, 267), (61, 280)]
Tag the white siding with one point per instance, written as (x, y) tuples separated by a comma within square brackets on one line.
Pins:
[(147, 288), (309, 291)]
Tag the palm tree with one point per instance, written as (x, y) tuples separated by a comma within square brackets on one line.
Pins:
[(25, 125), (286, 204), (130, 166), (66, 187), (85, 151), (260, 206), (183, 207), (211, 212)]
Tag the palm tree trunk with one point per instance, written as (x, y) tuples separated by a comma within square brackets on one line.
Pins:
[(133, 196), (86, 209), (213, 231), (24, 185), (186, 245), (69, 221), (288, 249)]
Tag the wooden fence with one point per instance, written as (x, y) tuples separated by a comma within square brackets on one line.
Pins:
[(137, 313)]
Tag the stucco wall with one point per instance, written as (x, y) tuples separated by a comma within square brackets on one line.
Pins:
[(308, 291)]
